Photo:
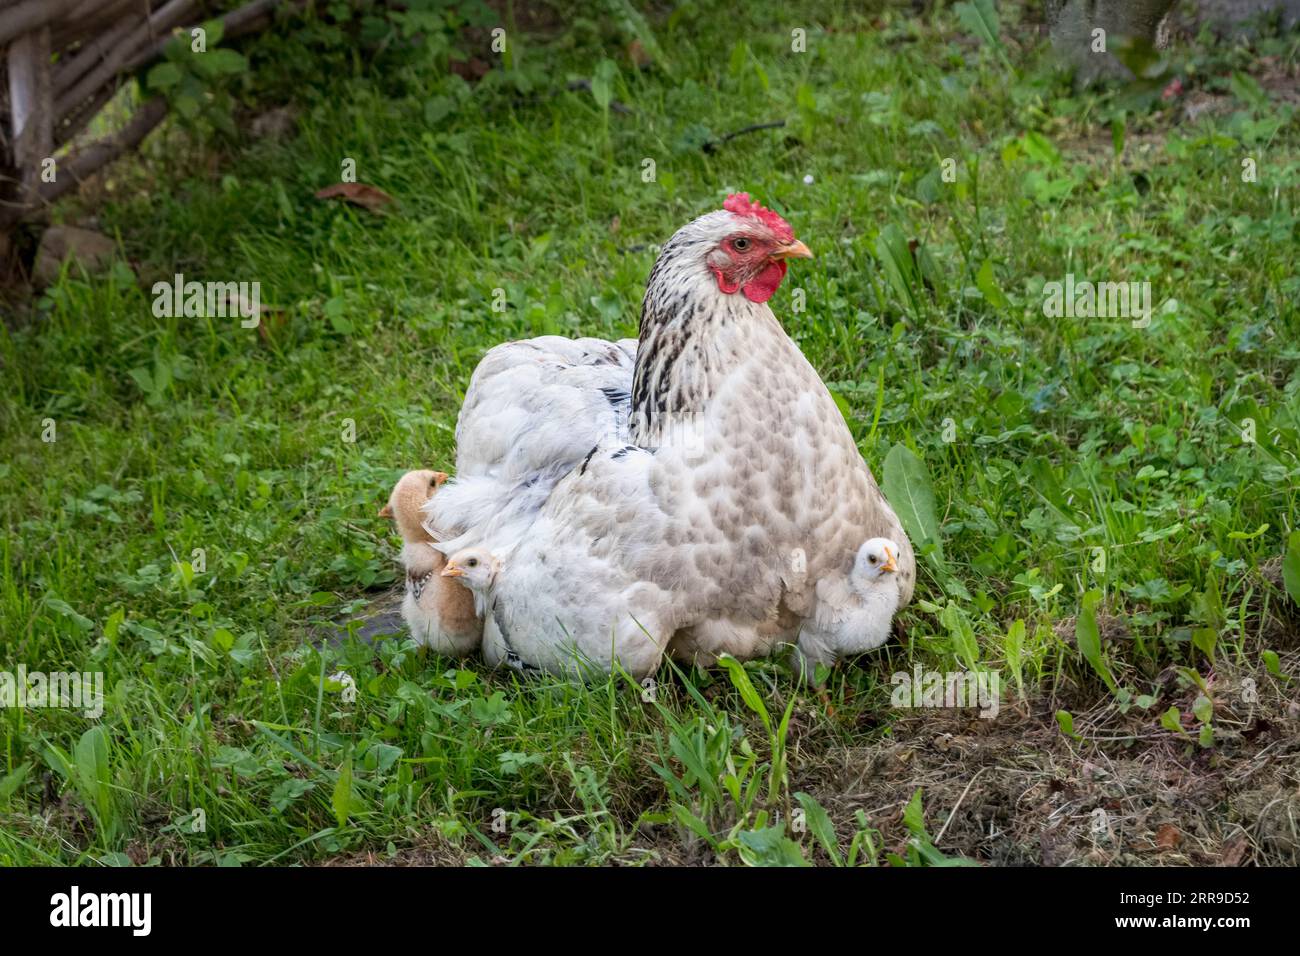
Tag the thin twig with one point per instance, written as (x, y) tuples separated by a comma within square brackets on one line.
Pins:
[(712, 145), (944, 828), (618, 107)]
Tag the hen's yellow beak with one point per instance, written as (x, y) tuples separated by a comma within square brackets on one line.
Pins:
[(386, 511), (452, 571), (792, 250)]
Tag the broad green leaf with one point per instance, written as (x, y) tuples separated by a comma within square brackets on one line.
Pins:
[(63, 609), (961, 633), (113, 624), (163, 76), (748, 693), (980, 18), (896, 257), (1172, 720), (226, 61), (90, 763), (906, 484), (987, 283), (1291, 567), (769, 846), (819, 823), (1204, 639), (1272, 663), (1040, 149), (10, 783), (739, 54), (1248, 536), (914, 815), (341, 799), (1203, 709), (213, 31), (843, 405), (693, 823), (1088, 637), (602, 83)]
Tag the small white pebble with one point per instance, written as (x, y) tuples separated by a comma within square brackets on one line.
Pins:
[(808, 180)]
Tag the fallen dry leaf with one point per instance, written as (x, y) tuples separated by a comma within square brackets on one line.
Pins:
[(1168, 836), (636, 52), (359, 194), (1235, 849), (471, 71)]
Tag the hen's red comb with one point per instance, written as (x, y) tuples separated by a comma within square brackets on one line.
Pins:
[(740, 204)]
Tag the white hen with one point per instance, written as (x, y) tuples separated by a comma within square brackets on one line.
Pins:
[(737, 489)]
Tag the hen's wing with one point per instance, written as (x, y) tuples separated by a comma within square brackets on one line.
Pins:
[(534, 408), (534, 401)]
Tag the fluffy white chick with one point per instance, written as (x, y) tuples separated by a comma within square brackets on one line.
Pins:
[(853, 613), (476, 568)]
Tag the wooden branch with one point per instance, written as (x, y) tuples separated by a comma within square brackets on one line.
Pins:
[(30, 108), (31, 15), (67, 128), (236, 23), (245, 19), (91, 18), (170, 16), (52, 105), (147, 41), (75, 170), (94, 50)]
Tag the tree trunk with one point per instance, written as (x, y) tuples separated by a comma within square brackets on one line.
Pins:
[(1073, 25)]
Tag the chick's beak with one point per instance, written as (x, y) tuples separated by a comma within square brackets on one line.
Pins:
[(386, 511), (792, 250), (889, 564), (452, 571)]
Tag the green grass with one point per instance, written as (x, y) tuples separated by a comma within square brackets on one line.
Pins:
[(1073, 438)]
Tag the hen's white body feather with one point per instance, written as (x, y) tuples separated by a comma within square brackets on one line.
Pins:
[(565, 600)]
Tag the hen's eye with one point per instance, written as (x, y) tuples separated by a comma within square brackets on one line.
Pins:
[(741, 244)]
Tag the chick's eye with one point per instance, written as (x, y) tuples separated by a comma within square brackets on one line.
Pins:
[(872, 559), (473, 562), (741, 244)]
